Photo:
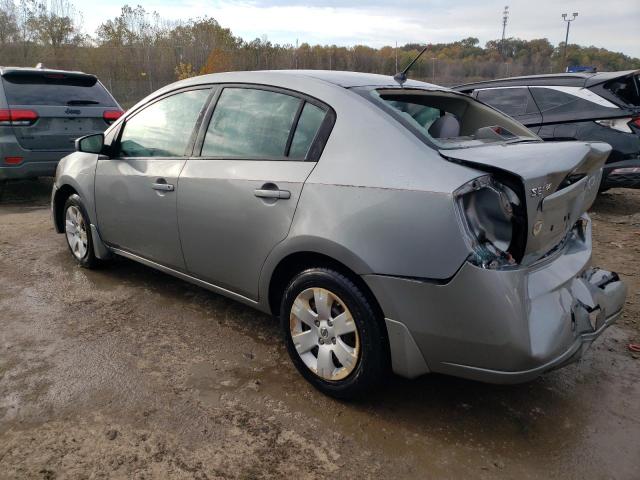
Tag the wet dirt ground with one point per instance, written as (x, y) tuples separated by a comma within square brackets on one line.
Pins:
[(125, 372)]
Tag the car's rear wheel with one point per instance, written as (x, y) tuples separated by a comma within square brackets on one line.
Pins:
[(332, 333), (78, 232)]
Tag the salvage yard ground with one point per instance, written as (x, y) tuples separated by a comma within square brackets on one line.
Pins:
[(128, 373)]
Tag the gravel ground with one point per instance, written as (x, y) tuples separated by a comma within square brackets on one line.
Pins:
[(128, 373)]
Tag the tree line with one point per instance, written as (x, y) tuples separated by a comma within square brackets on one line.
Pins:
[(138, 51)]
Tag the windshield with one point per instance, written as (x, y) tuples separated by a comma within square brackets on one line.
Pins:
[(450, 120)]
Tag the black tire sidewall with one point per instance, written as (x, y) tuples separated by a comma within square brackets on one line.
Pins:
[(89, 260), (371, 364)]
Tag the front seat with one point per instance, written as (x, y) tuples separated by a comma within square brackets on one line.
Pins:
[(446, 126)]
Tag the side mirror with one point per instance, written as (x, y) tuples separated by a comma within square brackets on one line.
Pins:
[(91, 143)]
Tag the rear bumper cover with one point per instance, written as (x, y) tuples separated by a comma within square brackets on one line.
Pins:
[(28, 169), (623, 174), (35, 163), (502, 326)]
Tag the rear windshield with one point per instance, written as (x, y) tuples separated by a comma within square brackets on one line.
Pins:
[(626, 89), (450, 120), (42, 90)]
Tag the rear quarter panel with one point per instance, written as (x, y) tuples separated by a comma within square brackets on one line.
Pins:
[(379, 201)]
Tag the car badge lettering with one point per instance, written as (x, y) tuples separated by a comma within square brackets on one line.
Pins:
[(71, 111), (541, 190)]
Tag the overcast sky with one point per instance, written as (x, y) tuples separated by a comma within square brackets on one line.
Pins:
[(611, 24)]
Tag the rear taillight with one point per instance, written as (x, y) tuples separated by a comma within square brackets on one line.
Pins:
[(18, 118), (111, 116), (635, 122), (487, 210)]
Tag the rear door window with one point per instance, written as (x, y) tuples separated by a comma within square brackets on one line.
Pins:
[(306, 131), (512, 101), (549, 99), (164, 128), (55, 90), (251, 123)]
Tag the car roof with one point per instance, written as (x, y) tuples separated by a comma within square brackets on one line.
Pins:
[(578, 79), (335, 77), (41, 71)]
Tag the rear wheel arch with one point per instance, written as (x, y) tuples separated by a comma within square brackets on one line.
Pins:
[(297, 262)]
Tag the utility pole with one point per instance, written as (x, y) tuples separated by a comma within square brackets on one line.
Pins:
[(505, 19), (396, 55), (433, 70), (566, 38)]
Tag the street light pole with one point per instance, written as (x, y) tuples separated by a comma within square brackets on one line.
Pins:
[(505, 18), (566, 38)]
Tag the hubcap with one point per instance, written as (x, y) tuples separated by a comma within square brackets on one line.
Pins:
[(324, 334), (76, 231)]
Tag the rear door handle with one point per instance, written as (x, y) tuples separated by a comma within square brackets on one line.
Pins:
[(267, 193), (163, 187)]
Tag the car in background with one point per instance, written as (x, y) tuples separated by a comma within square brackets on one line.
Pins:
[(587, 106), (388, 224), (42, 112)]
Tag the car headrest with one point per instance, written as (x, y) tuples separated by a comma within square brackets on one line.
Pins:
[(446, 126)]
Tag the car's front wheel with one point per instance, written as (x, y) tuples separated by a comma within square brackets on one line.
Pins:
[(78, 232), (333, 333)]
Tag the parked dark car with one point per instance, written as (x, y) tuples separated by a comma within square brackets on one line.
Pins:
[(576, 106), (42, 112)]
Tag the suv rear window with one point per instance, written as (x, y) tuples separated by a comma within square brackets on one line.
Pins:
[(53, 90), (627, 89)]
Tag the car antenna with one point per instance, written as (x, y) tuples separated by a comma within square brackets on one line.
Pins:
[(401, 77)]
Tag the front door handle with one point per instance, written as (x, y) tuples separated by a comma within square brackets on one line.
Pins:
[(268, 193), (163, 187)]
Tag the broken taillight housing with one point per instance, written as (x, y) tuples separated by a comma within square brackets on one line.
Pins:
[(487, 210)]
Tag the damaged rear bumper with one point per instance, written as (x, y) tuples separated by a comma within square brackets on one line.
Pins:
[(501, 326)]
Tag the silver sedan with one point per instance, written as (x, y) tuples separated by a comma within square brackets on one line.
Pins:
[(390, 226)]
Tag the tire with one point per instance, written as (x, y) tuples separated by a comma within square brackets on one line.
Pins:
[(357, 360), (78, 232)]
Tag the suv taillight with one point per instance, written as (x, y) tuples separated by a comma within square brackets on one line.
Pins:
[(18, 118), (111, 116)]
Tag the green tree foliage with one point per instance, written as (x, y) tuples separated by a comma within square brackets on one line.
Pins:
[(138, 51)]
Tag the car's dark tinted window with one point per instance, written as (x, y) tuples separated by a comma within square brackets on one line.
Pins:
[(250, 123), (627, 89), (548, 98), (41, 90), (309, 123), (163, 129), (512, 101)]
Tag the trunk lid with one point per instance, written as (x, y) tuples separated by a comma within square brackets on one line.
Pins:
[(57, 127), (559, 180)]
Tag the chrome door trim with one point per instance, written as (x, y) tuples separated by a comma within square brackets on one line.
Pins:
[(184, 276)]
